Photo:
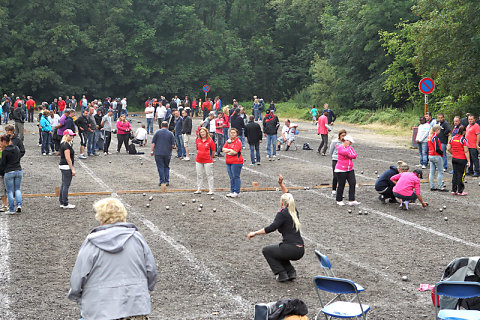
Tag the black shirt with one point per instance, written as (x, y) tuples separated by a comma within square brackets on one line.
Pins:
[(283, 222), (66, 146), (10, 159)]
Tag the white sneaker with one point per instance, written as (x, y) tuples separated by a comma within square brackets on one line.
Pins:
[(340, 203), (69, 206), (418, 165), (252, 164), (229, 194), (198, 192), (353, 203), (274, 156), (186, 159), (82, 156), (234, 195), (424, 167), (210, 193), (44, 154), (105, 153), (334, 192)]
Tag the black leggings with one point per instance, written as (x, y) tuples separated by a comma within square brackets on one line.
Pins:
[(459, 167), (343, 177), (108, 138), (279, 256), (334, 180), (122, 139)]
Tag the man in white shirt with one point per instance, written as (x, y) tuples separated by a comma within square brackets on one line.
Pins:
[(149, 114), (141, 136), (421, 139), (160, 115), (286, 137), (124, 107)]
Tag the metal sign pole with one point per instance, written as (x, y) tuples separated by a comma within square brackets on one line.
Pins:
[(426, 102)]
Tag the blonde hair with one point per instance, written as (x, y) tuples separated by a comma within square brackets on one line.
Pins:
[(110, 210), (206, 131), (402, 165), (434, 128), (225, 110), (64, 139), (289, 203)]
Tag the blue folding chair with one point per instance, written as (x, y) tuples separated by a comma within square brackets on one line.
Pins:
[(327, 268), (336, 308), (459, 290)]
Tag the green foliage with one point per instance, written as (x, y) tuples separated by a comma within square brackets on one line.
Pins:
[(388, 116)]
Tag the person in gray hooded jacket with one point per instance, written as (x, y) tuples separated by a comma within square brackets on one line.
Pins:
[(115, 268)]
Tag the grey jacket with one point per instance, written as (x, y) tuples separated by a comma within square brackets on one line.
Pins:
[(113, 274), (333, 149)]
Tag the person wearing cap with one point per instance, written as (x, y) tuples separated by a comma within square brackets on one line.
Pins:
[(435, 155), (407, 187), (66, 167), (384, 185), (333, 153), (344, 171), (270, 128), (458, 147), (323, 131)]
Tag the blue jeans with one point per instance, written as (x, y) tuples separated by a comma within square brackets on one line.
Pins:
[(5, 117), (66, 180), (242, 138), (444, 148), (90, 142), (124, 112), (163, 167), (271, 144), (234, 171), (436, 163), (13, 180), (225, 132), (60, 113), (257, 114), (255, 148), (219, 139), (423, 151), (46, 141), (98, 145), (149, 125), (180, 146)]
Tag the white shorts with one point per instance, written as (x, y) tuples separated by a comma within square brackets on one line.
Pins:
[(281, 140)]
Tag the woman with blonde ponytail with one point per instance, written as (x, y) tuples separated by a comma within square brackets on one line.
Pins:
[(287, 223)]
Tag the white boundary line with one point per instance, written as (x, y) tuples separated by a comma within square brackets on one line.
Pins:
[(201, 268), (5, 268)]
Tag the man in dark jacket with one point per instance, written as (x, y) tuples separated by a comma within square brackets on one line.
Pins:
[(186, 132), (178, 134), (330, 115), (19, 116), (16, 141), (253, 133), (270, 127), (443, 136), (237, 122), (82, 124)]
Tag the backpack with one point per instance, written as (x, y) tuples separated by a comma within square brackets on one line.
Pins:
[(306, 146), (131, 149)]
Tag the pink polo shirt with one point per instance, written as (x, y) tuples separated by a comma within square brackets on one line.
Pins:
[(407, 182), (322, 122)]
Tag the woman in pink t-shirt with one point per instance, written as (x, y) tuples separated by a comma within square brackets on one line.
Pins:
[(344, 171), (407, 187)]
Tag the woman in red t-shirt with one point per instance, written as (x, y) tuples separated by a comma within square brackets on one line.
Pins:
[(234, 161), (458, 147), (204, 160)]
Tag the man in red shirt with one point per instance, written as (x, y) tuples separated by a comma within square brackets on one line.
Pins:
[(61, 106), (473, 138), (31, 105), (206, 108)]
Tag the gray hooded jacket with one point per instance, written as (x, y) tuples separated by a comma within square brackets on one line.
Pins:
[(114, 271)]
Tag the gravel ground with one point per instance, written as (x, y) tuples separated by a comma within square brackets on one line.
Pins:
[(207, 267)]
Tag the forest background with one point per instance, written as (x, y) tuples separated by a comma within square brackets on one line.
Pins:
[(355, 55)]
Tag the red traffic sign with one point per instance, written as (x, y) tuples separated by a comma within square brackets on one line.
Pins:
[(206, 88), (426, 85)]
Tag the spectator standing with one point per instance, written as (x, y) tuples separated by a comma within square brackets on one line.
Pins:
[(123, 133), (83, 104), (458, 147), (219, 137), (178, 135), (6, 105), (435, 156), (73, 103), (46, 133), (195, 107), (443, 136), (430, 120), (272, 107), (149, 115), (61, 106), (456, 125), (237, 122), (162, 144), (15, 139), (115, 268), (160, 114), (217, 105), (59, 126), (270, 128), (314, 113), (331, 115), (344, 170), (19, 116), (186, 132), (323, 132), (422, 141), (234, 162), (473, 138), (82, 124), (91, 142), (255, 109), (107, 122), (206, 108), (67, 159), (204, 160), (253, 133), (12, 172), (31, 105), (99, 139)]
